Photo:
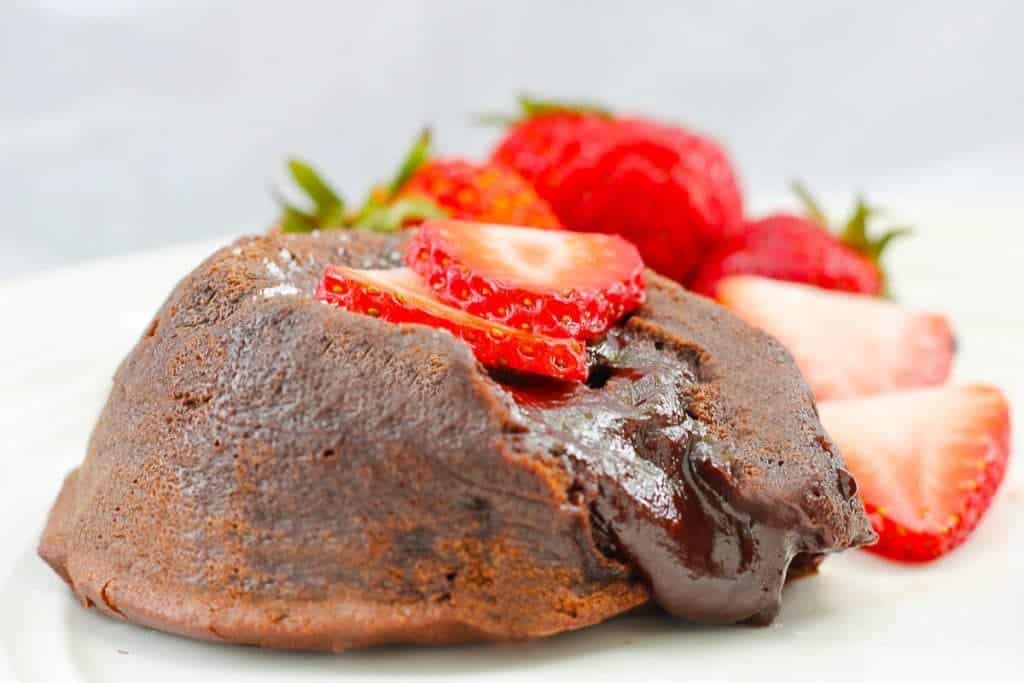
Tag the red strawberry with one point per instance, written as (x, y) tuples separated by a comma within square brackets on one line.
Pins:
[(846, 345), (799, 249), (670, 191), (927, 462), (552, 283), (422, 188), (463, 189), (399, 296), (482, 192)]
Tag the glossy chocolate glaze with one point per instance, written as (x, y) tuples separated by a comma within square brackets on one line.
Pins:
[(269, 469), (656, 477)]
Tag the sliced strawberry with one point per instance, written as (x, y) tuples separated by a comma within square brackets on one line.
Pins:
[(555, 283), (927, 462), (399, 296), (846, 345)]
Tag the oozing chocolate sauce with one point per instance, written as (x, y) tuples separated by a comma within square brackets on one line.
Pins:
[(657, 481)]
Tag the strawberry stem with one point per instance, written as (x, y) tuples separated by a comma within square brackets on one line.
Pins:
[(811, 206), (417, 155), (534, 106), (382, 211), (854, 233), (328, 207), (294, 220), (325, 199), (393, 215)]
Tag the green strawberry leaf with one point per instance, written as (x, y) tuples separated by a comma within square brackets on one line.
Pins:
[(391, 217), (381, 212), (417, 155), (325, 199), (328, 207), (534, 106), (811, 206), (294, 220), (855, 233), (881, 242), (530, 107)]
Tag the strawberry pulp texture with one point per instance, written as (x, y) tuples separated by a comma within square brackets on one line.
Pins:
[(928, 463), (399, 296), (846, 345), (553, 284), (482, 192)]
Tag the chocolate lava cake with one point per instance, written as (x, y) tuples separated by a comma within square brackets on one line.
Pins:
[(273, 470)]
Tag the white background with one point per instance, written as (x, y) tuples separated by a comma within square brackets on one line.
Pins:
[(126, 124)]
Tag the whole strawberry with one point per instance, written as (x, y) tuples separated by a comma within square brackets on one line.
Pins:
[(670, 191), (486, 193), (424, 187), (802, 249)]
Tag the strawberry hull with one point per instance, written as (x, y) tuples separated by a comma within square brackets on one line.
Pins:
[(793, 249)]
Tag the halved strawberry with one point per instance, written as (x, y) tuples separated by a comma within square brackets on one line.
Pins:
[(846, 345), (398, 295), (927, 462), (555, 283)]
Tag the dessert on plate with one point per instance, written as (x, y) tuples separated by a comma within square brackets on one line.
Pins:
[(404, 423)]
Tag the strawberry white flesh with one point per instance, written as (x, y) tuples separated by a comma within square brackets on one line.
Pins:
[(398, 295), (556, 283), (543, 260), (846, 345), (927, 462)]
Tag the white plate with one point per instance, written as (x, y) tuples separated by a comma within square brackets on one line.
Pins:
[(862, 619)]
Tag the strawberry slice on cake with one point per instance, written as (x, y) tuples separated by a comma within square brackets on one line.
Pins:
[(399, 296), (559, 284)]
